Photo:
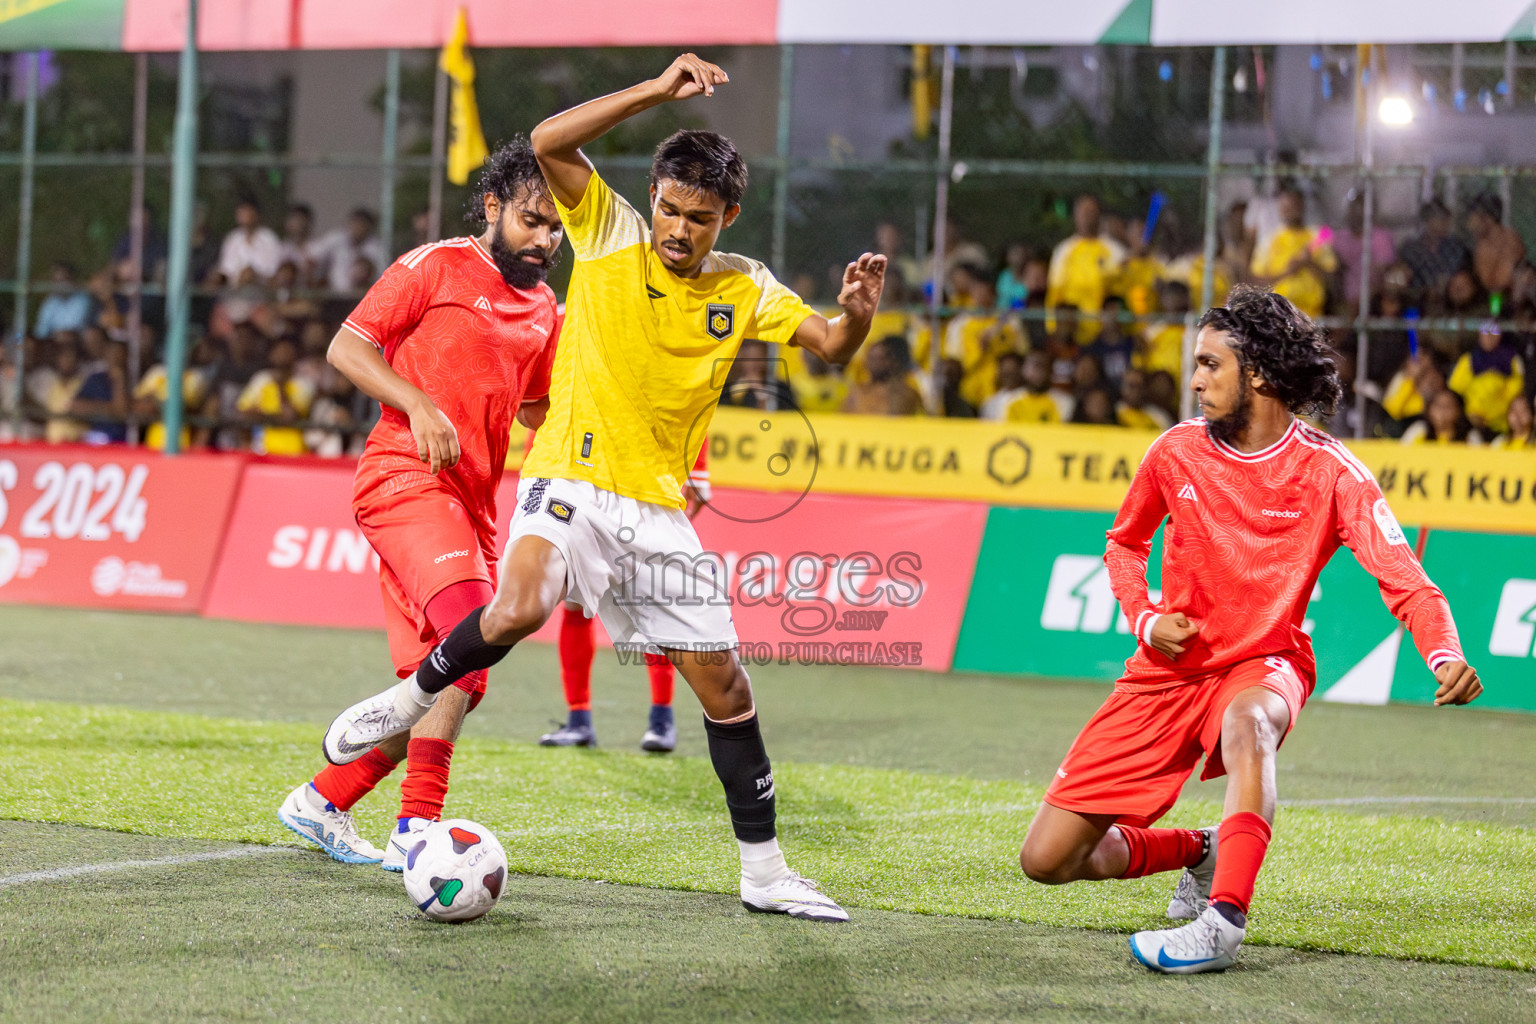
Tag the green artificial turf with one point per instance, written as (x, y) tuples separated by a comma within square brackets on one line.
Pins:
[(877, 838)]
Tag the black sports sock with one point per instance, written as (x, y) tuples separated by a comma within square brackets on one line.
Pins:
[(1232, 913), (741, 762), (463, 652)]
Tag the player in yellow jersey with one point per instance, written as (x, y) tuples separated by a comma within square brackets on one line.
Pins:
[(653, 318)]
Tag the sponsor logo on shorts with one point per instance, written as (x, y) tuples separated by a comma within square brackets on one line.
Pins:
[(451, 554), (720, 320), (1280, 513), (561, 510)]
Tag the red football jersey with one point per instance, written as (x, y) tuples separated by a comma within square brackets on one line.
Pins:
[(1247, 536), (448, 323)]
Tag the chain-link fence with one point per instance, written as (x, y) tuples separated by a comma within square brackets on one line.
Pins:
[(863, 146)]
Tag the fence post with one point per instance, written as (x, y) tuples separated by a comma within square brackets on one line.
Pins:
[(1362, 331), (439, 151), (137, 227), (178, 286), (1212, 221), (936, 280), (24, 229), (391, 147), (781, 148)]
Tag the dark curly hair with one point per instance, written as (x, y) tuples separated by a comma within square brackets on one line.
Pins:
[(509, 170), (706, 161), (1281, 344)]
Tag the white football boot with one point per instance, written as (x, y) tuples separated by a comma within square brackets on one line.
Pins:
[(370, 722), (792, 895), (1208, 943), (312, 817), (1193, 893), (397, 851)]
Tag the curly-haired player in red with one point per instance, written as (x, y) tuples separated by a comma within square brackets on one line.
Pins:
[(1256, 503), (455, 340)]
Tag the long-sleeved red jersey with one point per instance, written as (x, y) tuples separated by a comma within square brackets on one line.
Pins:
[(1247, 536)]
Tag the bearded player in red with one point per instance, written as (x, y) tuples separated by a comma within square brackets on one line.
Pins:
[(455, 341), (1256, 503)]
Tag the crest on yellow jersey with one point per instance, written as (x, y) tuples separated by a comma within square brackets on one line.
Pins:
[(720, 320)]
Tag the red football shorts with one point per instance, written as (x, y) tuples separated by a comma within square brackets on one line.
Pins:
[(1134, 755), (426, 541)]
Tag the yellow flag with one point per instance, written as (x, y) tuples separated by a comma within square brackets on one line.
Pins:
[(467, 149)]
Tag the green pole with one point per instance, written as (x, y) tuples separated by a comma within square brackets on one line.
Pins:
[(781, 181), (24, 231), (1212, 214), (391, 148), (178, 287)]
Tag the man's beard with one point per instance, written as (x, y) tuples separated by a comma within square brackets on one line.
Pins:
[(516, 271), (1235, 422)]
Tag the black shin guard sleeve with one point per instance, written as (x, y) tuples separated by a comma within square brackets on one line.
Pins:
[(741, 762), (464, 651)]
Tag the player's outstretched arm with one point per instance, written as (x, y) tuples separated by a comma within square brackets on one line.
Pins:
[(836, 340), (557, 141), (437, 443)]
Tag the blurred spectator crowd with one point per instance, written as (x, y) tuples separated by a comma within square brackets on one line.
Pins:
[(1092, 331), (267, 304)]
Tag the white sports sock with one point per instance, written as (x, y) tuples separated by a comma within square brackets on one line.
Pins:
[(411, 701), (762, 864)]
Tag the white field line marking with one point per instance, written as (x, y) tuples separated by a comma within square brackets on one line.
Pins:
[(1350, 801), (58, 874)]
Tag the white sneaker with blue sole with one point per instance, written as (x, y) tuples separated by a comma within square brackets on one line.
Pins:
[(397, 851), (310, 816), (1208, 943)]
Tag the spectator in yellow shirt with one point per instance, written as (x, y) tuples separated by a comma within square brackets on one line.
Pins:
[(1521, 436), (1164, 347), (979, 334), (1298, 260), (1085, 266), (1037, 404), (275, 402), (1135, 410), (1487, 378), (817, 387), (1443, 423), (887, 392)]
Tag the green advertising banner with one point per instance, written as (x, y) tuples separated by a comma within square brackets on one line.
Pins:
[(61, 24), (1041, 604), (1490, 581)]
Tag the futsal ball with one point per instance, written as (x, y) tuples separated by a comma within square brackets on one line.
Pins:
[(455, 870)]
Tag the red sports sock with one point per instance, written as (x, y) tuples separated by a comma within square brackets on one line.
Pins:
[(662, 678), (426, 778), (576, 650), (345, 784), (1240, 848), (1155, 850)]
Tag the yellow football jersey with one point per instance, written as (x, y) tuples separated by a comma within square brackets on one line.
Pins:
[(643, 353)]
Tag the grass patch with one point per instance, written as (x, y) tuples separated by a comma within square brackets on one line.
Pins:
[(876, 838)]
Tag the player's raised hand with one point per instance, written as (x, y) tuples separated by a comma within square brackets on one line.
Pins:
[(863, 281), (691, 76), (1170, 632), (437, 443), (1458, 683)]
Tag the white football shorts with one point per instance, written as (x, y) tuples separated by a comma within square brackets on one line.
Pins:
[(638, 566)]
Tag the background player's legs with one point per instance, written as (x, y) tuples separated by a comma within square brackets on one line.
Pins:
[(576, 652), (1252, 726), (1065, 846), (661, 732)]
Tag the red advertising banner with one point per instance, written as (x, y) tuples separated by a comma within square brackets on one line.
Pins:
[(834, 578), (845, 579), (293, 553), (111, 527)]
